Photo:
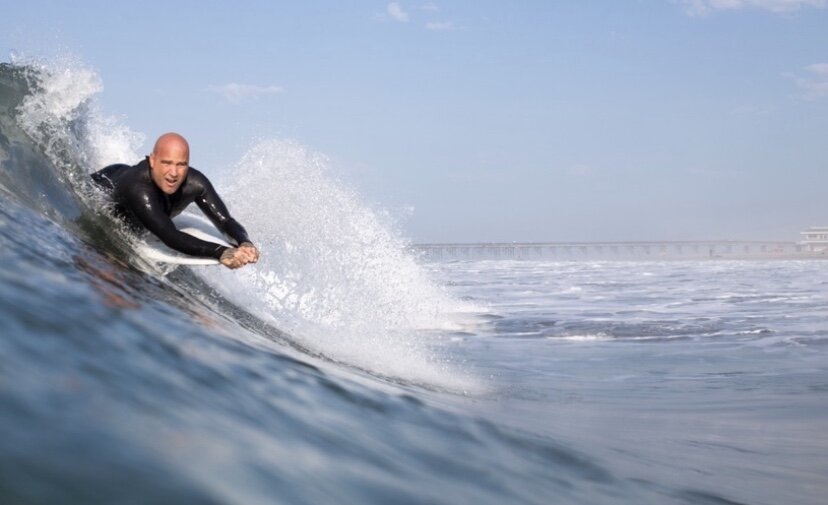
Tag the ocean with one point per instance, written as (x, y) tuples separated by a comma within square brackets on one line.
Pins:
[(346, 369)]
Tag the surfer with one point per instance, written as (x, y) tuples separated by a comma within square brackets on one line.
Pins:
[(148, 195)]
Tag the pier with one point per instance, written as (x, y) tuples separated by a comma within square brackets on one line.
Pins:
[(571, 251)]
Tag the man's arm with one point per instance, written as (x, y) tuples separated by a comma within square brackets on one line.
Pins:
[(213, 207), (148, 210)]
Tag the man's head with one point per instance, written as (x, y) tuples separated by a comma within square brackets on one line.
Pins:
[(169, 162)]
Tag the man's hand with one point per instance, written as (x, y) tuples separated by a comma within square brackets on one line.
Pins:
[(252, 254), (237, 257)]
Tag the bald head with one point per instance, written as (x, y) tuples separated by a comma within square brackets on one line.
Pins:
[(171, 141), (169, 162)]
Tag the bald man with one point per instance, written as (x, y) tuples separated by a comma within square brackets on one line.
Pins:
[(148, 195)]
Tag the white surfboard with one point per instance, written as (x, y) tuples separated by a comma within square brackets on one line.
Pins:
[(191, 224)]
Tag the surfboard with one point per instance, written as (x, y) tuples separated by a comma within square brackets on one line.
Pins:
[(197, 226)]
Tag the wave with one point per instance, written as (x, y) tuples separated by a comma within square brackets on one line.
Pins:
[(311, 376), (334, 277)]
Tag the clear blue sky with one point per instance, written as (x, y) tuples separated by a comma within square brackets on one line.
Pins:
[(496, 121)]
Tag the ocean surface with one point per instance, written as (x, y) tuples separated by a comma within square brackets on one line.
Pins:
[(344, 369)]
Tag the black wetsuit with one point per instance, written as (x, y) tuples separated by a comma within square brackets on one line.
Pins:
[(142, 204)]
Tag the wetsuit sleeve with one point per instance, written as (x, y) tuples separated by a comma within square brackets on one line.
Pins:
[(149, 212), (212, 206), (106, 177)]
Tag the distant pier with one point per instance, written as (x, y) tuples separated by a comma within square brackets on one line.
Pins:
[(571, 251)]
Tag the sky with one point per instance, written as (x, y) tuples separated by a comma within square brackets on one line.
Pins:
[(486, 121)]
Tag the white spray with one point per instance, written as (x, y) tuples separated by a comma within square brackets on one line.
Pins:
[(61, 116), (331, 273)]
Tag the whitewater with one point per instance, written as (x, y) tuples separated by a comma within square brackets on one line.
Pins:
[(343, 368)]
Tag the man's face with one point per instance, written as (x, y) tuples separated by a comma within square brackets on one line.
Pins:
[(169, 165)]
